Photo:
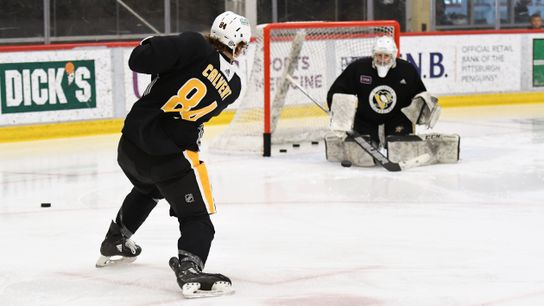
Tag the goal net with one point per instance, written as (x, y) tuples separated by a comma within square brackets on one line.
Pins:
[(273, 110)]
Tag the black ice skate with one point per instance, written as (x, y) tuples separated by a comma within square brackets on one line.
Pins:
[(116, 248), (196, 284)]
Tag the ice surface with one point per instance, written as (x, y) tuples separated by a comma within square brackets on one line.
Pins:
[(292, 229)]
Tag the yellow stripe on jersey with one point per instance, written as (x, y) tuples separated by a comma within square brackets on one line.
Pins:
[(202, 179)]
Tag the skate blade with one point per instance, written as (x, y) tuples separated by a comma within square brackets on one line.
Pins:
[(104, 261), (192, 290)]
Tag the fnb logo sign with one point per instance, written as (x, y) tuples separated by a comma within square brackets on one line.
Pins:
[(46, 86), (428, 65)]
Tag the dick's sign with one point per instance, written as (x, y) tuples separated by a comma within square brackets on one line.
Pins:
[(47, 86)]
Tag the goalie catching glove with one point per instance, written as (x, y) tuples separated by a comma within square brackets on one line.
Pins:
[(424, 110)]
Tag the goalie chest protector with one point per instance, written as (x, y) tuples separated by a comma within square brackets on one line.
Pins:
[(380, 99)]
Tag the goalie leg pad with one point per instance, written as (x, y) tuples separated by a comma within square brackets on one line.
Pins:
[(334, 148), (357, 155), (338, 149), (443, 148)]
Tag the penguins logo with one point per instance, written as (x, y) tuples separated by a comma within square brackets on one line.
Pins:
[(382, 99)]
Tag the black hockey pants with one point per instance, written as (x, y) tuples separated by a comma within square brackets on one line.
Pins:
[(181, 179)]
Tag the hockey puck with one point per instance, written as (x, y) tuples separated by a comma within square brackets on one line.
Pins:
[(346, 163), (46, 205), (315, 142), (283, 150), (296, 145)]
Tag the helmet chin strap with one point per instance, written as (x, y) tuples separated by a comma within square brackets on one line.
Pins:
[(235, 55), (233, 52)]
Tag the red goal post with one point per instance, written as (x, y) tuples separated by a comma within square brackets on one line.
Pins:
[(274, 101)]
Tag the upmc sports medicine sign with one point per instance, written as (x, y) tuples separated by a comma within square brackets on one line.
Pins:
[(47, 86)]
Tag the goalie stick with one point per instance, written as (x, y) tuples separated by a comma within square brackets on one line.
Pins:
[(367, 146)]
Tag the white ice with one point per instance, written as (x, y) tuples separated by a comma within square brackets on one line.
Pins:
[(292, 229)]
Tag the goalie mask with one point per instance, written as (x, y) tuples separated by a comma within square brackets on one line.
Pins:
[(231, 29), (384, 55)]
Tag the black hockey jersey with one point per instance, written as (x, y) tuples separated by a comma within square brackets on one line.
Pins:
[(380, 99), (192, 82)]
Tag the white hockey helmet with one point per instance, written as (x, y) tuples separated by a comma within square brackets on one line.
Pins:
[(384, 53), (231, 29)]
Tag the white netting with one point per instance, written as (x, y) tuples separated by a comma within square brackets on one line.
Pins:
[(314, 54)]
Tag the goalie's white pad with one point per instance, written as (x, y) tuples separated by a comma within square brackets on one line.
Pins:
[(423, 110), (339, 148), (443, 148), (342, 112)]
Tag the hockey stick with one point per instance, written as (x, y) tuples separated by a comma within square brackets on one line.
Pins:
[(294, 82), (367, 146), (384, 161)]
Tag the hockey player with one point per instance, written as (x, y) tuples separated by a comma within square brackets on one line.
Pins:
[(390, 99), (193, 80)]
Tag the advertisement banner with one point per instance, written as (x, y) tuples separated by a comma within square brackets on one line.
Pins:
[(466, 64), (81, 83), (55, 86), (46, 86), (538, 62)]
